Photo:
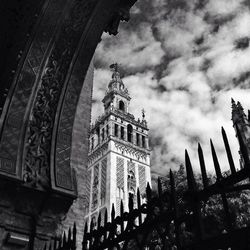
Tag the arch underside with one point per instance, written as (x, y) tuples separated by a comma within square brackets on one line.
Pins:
[(37, 120)]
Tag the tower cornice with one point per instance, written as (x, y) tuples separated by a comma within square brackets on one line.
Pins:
[(125, 116), (111, 93), (121, 145), (129, 146)]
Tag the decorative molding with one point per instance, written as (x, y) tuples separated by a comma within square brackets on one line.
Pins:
[(131, 150), (23, 83), (98, 152), (40, 127), (125, 116)]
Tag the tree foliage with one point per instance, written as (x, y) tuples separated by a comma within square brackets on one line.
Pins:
[(213, 213)]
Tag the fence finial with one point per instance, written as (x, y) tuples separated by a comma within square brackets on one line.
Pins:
[(228, 151), (216, 162), (202, 166), (190, 174)]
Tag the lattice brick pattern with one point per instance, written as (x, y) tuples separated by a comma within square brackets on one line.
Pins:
[(120, 172), (118, 206), (131, 166), (131, 182), (102, 212), (142, 178), (95, 186), (88, 180), (103, 180)]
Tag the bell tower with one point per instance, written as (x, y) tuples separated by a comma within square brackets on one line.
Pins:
[(241, 123), (119, 154)]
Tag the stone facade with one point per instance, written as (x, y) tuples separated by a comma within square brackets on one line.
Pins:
[(121, 141)]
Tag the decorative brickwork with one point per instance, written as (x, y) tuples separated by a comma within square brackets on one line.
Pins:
[(118, 206), (119, 181), (95, 188), (131, 178), (103, 181), (142, 179), (120, 172), (131, 149), (98, 153), (102, 212)]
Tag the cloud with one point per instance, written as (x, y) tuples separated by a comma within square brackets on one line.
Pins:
[(182, 63), (139, 49)]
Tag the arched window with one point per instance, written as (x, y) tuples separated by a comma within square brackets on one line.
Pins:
[(121, 105), (130, 133)]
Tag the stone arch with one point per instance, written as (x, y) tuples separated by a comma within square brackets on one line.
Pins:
[(121, 105), (130, 133)]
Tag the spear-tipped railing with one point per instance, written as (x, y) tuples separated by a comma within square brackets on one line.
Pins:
[(160, 214)]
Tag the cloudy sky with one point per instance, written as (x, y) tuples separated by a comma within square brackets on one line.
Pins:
[(181, 61)]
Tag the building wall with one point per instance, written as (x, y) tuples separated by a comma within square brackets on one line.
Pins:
[(79, 154)]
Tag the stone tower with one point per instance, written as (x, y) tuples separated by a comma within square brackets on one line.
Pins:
[(119, 155), (242, 123)]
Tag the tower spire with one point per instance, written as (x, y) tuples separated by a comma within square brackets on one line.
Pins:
[(117, 96), (116, 77)]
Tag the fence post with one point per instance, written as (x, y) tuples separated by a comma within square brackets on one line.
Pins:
[(175, 211), (202, 166), (228, 151), (222, 192), (195, 202)]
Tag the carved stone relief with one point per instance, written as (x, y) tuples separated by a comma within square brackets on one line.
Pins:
[(23, 83), (38, 144)]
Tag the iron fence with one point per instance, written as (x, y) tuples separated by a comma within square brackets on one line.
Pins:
[(158, 224)]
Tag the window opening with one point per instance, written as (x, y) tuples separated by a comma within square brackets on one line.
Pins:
[(137, 139), (143, 142), (121, 105), (103, 134), (130, 133), (116, 130), (122, 133), (107, 130)]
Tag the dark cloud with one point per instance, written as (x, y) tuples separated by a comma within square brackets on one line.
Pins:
[(242, 43)]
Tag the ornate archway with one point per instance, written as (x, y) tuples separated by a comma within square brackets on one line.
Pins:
[(44, 75)]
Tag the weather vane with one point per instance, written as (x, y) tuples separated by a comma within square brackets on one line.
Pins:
[(114, 67), (143, 113)]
